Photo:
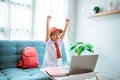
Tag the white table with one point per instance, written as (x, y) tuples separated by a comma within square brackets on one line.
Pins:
[(84, 76)]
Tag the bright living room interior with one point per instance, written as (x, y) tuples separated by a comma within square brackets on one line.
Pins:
[(102, 32)]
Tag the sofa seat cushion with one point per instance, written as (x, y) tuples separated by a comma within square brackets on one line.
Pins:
[(22, 74)]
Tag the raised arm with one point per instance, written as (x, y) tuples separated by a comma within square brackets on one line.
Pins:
[(47, 28), (65, 28)]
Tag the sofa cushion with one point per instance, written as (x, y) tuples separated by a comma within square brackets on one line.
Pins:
[(22, 74), (2, 76)]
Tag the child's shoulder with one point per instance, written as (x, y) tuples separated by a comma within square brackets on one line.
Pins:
[(49, 42)]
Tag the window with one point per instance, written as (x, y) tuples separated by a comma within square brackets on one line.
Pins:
[(3, 19), (26, 19), (21, 19), (56, 8)]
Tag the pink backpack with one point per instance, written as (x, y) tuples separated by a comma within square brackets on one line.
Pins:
[(29, 58)]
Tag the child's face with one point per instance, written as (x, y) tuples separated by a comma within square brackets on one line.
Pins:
[(55, 36)]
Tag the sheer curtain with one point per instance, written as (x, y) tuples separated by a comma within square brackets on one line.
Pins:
[(26, 19), (3, 19), (56, 8), (21, 19)]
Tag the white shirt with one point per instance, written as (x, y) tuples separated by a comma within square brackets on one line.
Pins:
[(50, 57)]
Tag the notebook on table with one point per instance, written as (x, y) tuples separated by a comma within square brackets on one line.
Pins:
[(56, 71), (78, 65)]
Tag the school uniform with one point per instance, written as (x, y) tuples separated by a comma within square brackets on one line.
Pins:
[(50, 57)]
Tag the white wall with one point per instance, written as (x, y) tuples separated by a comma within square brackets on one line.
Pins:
[(71, 15), (103, 32)]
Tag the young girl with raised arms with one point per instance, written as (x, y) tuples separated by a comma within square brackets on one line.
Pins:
[(54, 40)]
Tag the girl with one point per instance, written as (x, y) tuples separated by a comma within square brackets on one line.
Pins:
[(54, 40)]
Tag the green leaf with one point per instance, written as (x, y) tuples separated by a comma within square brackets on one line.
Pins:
[(79, 50), (90, 50), (89, 46), (82, 48), (72, 47), (80, 42)]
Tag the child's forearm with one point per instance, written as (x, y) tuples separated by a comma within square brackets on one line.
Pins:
[(64, 31), (47, 27)]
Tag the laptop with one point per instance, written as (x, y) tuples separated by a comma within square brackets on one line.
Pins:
[(82, 64), (78, 65)]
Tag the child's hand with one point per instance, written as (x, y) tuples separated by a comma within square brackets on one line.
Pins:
[(67, 20), (48, 17)]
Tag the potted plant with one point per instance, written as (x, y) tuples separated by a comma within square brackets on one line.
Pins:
[(96, 9), (80, 47)]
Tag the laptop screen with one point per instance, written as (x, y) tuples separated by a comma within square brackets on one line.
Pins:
[(83, 64)]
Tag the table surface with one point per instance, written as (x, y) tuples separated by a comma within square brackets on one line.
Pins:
[(77, 76), (74, 76)]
